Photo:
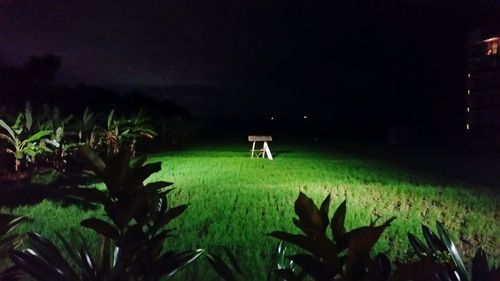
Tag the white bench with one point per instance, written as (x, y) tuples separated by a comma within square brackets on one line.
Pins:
[(265, 151)]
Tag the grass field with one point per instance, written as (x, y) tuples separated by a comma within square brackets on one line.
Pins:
[(234, 200)]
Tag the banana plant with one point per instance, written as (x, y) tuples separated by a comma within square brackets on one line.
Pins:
[(8, 242), (138, 128), (86, 128), (23, 149), (122, 133), (51, 120), (113, 135), (343, 256), (62, 146)]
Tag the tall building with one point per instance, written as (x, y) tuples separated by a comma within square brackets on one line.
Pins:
[(483, 84)]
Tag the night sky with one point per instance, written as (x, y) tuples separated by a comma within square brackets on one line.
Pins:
[(387, 60)]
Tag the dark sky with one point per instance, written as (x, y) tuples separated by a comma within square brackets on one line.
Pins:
[(372, 54)]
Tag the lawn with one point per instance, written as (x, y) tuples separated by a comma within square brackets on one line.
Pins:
[(234, 200)]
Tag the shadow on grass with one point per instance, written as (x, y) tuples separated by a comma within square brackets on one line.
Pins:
[(470, 166), (23, 193)]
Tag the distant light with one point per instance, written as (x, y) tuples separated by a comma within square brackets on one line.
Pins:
[(272, 117), (467, 126), (468, 92), (468, 109), (305, 116), (468, 75)]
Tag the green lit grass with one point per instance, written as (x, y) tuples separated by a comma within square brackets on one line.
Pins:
[(234, 201)]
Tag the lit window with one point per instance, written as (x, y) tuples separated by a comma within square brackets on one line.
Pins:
[(468, 92), (468, 109), (468, 75), (467, 126), (492, 45)]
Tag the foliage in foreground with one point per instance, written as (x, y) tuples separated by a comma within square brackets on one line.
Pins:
[(439, 259), (133, 236), (307, 216), (8, 242), (346, 255)]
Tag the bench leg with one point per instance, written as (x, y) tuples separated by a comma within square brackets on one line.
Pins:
[(253, 150)]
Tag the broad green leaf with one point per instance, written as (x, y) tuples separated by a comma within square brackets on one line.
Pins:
[(435, 244), (59, 134), (8, 129), (101, 227), (91, 195), (30, 152), (8, 138), (310, 220), (37, 136), (42, 149), (322, 247), (97, 164), (87, 116), (323, 210), (361, 240), (418, 246), (170, 215), (480, 268), (138, 161), (155, 187), (28, 116), (337, 224), (142, 173), (18, 127), (110, 119)]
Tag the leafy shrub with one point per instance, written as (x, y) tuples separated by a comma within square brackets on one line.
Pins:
[(123, 133), (344, 255), (439, 259), (133, 234), (23, 148)]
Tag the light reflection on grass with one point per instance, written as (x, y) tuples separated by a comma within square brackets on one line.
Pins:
[(234, 201)]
